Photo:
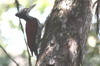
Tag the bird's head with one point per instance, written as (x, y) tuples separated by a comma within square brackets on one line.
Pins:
[(24, 12)]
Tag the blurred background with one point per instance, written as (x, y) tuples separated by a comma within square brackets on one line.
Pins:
[(12, 38)]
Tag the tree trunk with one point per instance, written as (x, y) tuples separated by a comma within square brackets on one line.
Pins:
[(66, 32)]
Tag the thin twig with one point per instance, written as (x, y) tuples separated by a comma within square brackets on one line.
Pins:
[(9, 56), (97, 14), (21, 26)]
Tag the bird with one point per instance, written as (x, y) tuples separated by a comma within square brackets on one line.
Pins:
[(31, 28)]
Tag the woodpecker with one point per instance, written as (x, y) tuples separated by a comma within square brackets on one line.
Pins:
[(32, 28)]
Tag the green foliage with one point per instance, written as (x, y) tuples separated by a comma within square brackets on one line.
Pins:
[(43, 4), (5, 7), (11, 24), (4, 61), (24, 54), (92, 57)]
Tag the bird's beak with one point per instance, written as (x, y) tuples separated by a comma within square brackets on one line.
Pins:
[(31, 7)]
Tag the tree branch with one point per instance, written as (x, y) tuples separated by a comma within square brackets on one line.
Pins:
[(9, 56), (29, 56)]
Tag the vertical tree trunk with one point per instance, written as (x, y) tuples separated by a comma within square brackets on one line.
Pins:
[(66, 32)]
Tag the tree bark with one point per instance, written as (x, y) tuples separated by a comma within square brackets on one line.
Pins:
[(66, 31)]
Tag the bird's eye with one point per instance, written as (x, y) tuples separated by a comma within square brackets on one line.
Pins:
[(25, 9)]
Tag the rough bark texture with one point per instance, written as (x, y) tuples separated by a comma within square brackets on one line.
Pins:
[(66, 32)]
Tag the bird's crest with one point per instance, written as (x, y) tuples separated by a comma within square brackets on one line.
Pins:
[(24, 12)]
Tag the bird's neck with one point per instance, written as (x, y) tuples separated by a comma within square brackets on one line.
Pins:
[(27, 18)]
